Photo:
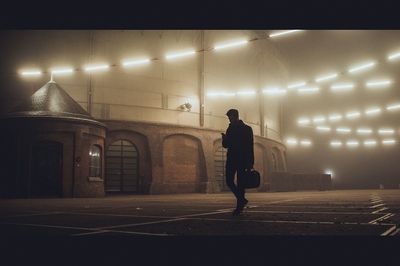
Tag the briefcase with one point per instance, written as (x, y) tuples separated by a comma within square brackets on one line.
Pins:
[(252, 178)]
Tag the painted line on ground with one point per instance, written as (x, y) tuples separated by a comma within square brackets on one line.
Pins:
[(384, 217), (389, 231), (378, 205), (377, 201), (34, 214), (138, 224), (384, 208), (118, 231), (50, 226)]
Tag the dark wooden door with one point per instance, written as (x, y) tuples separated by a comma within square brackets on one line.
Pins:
[(46, 170)]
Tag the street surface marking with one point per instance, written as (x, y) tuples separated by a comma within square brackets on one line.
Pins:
[(137, 224), (384, 208), (389, 231), (384, 217), (378, 205), (117, 231)]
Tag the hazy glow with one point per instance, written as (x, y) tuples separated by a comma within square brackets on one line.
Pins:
[(275, 91), (96, 67), (231, 44), (352, 115), (342, 87), (282, 33), (31, 73), (325, 129), (336, 143), (335, 117), (373, 111), (352, 143), (319, 119), (364, 131), (291, 141), (393, 107), (308, 90), (343, 130), (370, 143), (394, 56), (388, 141), (361, 67), (386, 131), (296, 85), (305, 142), (374, 84), (62, 71), (329, 172), (303, 121), (249, 92), (181, 54), (227, 94), (326, 77), (135, 62)]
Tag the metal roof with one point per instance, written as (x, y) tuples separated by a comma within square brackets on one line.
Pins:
[(52, 101)]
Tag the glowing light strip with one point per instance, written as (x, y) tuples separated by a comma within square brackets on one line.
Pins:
[(308, 90), (135, 62), (182, 54), (335, 117), (321, 128), (275, 91), (336, 143), (388, 141), (318, 119), (291, 141), (393, 107), (353, 115), (385, 131), (342, 87), (296, 85), (364, 131), (327, 77), (303, 121), (343, 130), (96, 67), (370, 142), (31, 73), (371, 84), (229, 45), (352, 143), (373, 111), (272, 35), (305, 142), (393, 56), (362, 67), (62, 71)]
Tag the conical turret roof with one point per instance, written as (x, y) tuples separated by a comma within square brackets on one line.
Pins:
[(53, 102)]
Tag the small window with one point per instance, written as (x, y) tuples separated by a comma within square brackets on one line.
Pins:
[(95, 161)]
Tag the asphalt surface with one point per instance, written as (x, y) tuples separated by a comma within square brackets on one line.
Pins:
[(306, 213)]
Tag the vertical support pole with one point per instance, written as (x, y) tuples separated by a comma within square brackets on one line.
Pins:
[(89, 80), (201, 80), (260, 94)]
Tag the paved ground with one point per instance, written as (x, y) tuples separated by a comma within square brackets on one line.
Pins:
[(308, 213)]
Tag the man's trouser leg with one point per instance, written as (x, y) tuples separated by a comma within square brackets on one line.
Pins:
[(240, 183), (230, 170)]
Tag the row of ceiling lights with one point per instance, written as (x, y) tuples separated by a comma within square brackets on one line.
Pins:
[(359, 131), (337, 143), (372, 111), (141, 61)]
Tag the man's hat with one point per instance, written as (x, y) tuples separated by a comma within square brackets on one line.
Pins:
[(233, 112)]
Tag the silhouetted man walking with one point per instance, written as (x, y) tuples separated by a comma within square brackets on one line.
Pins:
[(240, 156)]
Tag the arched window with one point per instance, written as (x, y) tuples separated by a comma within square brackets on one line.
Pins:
[(274, 161), (95, 161)]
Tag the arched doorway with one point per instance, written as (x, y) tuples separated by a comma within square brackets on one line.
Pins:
[(46, 169), (122, 167), (219, 164)]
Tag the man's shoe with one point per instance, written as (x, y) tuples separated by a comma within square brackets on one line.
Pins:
[(237, 212)]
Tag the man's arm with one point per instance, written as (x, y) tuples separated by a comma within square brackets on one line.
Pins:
[(225, 139)]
